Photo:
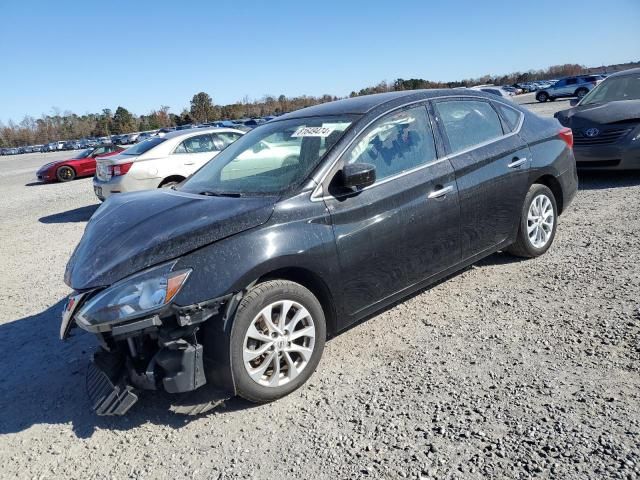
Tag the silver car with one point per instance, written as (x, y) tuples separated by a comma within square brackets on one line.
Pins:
[(160, 161), (577, 86)]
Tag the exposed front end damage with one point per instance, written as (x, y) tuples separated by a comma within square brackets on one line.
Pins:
[(164, 350)]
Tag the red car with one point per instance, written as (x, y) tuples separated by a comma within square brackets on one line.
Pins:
[(82, 165)]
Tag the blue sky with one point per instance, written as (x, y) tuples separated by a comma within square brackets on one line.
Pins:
[(85, 56)]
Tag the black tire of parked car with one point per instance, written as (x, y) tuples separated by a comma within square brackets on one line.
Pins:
[(65, 174), (581, 92), (542, 96), (257, 298), (523, 247)]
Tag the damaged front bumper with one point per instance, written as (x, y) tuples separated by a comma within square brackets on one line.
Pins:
[(161, 351)]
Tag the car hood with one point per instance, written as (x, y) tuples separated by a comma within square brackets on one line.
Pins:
[(133, 231), (582, 116)]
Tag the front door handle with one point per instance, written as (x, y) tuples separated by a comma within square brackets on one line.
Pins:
[(189, 163), (516, 162), (441, 192)]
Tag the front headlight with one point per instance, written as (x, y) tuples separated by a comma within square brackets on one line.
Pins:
[(134, 296)]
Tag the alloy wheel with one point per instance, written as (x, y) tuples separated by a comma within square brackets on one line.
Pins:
[(540, 221), (279, 343)]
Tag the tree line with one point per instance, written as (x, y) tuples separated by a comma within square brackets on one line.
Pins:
[(70, 126)]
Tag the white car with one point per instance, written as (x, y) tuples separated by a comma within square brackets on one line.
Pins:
[(160, 161)]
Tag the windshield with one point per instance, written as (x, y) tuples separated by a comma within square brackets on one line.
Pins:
[(140, 148), (271, 158), (613, 89), (84, 154)]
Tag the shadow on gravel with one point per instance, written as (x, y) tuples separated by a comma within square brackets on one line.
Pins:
[(603, 180), (34, 184), (499, 258), (43, 382), (82, 214)]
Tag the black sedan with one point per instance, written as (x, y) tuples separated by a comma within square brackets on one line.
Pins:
[(303, 227), (606, 124)]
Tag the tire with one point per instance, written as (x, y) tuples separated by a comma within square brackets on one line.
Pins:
[(528, 247), (250, 315), (542, 96), (65, 174), (168, 185), (581, 92)]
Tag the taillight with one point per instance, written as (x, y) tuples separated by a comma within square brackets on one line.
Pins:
[(120, 169), (567, 135)]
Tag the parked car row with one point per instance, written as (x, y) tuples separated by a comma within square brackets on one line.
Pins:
[(244, 125)]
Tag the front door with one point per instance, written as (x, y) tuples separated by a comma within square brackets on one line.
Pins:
[(403, 228)]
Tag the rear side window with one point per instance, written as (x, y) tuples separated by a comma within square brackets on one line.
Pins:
[(396, 143), (199, 144), (468, 123), (223, 139), (510, 116)]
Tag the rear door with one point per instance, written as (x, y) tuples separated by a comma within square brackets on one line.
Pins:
[(491, 164), (402, 229)]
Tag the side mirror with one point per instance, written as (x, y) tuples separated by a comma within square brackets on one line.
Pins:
[(358, 175), (574, 101)]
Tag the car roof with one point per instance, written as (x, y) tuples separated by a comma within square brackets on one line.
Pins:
[(198, 131), (631, 71), (366, 103)]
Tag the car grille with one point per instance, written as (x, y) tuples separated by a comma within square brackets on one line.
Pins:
[(605, 137)]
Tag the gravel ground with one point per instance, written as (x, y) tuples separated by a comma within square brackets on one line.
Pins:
[(510, 369)]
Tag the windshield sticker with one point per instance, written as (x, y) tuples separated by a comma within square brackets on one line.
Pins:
[(312, 132)]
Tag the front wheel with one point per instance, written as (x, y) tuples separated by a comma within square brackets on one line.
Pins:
[(538, 222), (65, 174), (542, 96), (277, 340)]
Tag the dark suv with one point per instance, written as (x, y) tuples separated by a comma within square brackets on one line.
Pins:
[(237, 276), (569, 87)]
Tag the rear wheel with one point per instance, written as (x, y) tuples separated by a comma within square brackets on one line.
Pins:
[(538, 222), (65, 174), (542, 96), (277, 340), (581, 92)]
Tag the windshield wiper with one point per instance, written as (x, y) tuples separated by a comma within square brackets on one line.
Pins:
[(221, 194)]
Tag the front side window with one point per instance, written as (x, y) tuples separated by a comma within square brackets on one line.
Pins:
[(396, 143), (272, 158), (226, 138), (468, 123), (572, 81)]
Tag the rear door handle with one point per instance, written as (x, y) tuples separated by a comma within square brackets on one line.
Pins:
[(517, 162), (441, 192), (189, 163)]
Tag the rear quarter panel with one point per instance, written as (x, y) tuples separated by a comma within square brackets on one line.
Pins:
[(550, 155)]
